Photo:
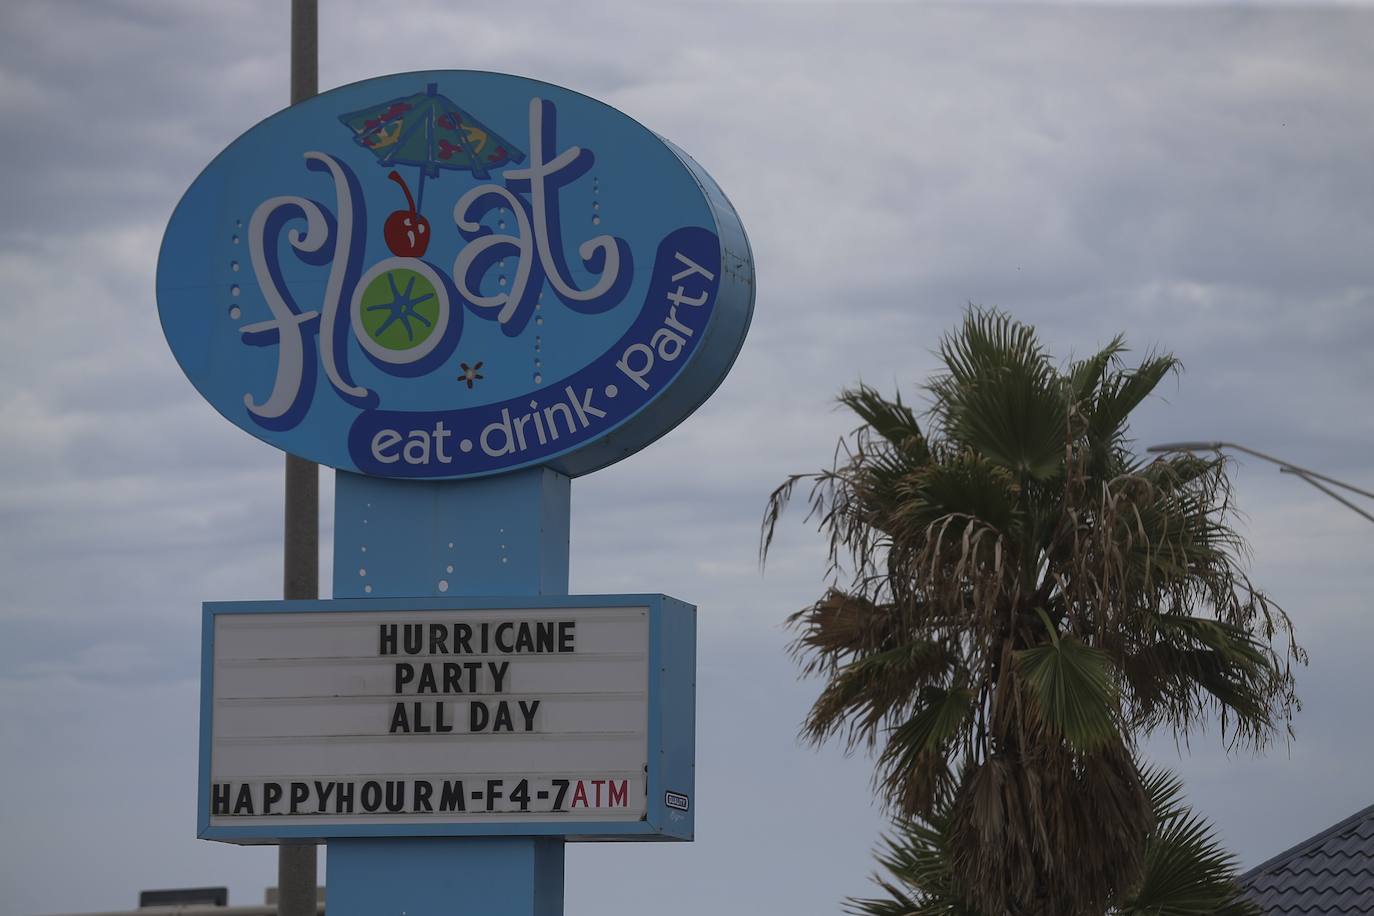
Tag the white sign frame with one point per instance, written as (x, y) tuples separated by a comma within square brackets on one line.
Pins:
[(286, 684)]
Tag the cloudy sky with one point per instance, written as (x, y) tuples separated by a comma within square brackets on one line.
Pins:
[(1197, 178)]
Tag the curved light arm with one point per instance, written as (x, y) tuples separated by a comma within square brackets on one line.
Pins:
[(1284, 466)]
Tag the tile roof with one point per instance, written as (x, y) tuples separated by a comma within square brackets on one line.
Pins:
[(1330, 873)]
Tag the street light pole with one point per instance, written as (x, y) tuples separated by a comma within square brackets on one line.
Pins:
[(1286, 467), (297, 863)]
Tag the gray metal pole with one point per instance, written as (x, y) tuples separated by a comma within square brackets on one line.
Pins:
[(297, 863)]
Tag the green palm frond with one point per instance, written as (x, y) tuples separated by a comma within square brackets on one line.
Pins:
[(876, 689), (1002, 396), (965, 485), (1072, 687), (920, 876), (1164, 789), (1195, 665), (914, 761), (1086, 375), (1187, 872), (892, 420), (1118, 394), (1174, 530)]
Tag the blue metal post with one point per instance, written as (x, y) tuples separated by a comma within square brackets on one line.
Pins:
[(504, 535)]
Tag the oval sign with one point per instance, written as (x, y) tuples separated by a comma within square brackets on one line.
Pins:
[(451, 274)]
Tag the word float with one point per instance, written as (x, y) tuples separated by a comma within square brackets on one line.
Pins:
[(536, 247)]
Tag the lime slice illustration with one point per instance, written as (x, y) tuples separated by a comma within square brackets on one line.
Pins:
[(400, 310)]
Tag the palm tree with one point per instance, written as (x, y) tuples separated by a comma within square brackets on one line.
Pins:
[(1016, 600), (1186, 872)]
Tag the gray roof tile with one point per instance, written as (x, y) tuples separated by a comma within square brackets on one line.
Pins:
[(1330, 874)]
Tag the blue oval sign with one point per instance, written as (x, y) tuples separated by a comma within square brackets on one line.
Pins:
[(451, 274)]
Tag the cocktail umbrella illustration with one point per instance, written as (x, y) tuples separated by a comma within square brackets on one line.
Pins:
[(430, 131)]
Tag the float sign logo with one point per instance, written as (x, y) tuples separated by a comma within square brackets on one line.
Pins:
[(452, 274)]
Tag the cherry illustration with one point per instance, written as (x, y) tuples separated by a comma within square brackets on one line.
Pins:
[(406, 231)]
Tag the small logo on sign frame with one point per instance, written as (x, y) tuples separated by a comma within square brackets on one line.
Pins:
[(676, 800)]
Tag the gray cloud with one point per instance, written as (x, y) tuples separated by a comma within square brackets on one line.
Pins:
[(1195, 178)]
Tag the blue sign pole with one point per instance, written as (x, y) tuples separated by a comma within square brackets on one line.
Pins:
[(505, 535)]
